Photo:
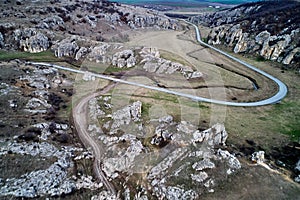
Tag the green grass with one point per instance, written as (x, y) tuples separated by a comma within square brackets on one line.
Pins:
[(286, 116), (45, 56), (174, 58)]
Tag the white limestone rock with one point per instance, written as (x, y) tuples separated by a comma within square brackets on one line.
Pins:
[(216, 135), (258, 157)]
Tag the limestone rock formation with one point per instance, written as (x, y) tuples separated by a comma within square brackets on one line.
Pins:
[(263, 29), (81, 53), (167, 154), (67, 47), (50, 22), (153, 63), (31, 40), (35, 44), (131, 113), (216, 135), (142, 18), (123, 59)]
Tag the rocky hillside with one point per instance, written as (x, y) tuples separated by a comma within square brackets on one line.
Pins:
[(36, 26), (269, 29)]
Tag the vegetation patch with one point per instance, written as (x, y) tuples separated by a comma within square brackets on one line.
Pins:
[(45, 56)]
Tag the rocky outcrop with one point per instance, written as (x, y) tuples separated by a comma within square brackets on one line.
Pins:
[(81, 53), (153, 63), (50, 22), (31, 40), (297, 170), (124, 59), (125, 115), (35, 44), (141, 18), (262, 29), (162, 148), (162, 134), (270, 47), (51, 181), (66, 48), (216, 135)]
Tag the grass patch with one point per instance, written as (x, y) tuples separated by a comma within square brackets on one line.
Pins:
[(45, 56), (174, 58), (287, 117), (260, 59), (145, 110)]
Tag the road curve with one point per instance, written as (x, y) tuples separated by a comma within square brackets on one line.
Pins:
[(79, 116), (282, 88), (274, 99)]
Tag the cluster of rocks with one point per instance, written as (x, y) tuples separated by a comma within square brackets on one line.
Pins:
[(125, 116), (44, 25), (270, 47), (124, 59), (128, 154), (119, 159), (41, 80), (51, 181), (258, 157), (66, 48), (153, 63), (162, 133), (31, 40), (141, 18), (261, 28), (111, 54)]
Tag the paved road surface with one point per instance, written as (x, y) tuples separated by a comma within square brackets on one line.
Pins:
[(282, 89), (274, 99), (80, 110)]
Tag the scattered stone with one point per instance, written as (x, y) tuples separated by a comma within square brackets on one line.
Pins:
[(88, 76), (202, 176), (87, 182), (203, 164), (104, 195), (180, 194), (258, 157), (232, 161)]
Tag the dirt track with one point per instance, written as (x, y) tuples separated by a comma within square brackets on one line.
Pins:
[(79, 113)]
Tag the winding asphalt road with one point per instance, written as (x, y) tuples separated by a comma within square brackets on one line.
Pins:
[(274, 99), (282, 88), (80, 110)]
